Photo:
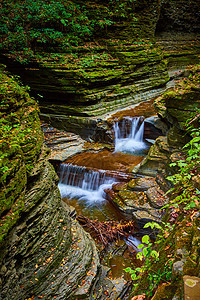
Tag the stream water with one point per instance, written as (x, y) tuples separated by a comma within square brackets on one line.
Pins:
[(84, 177), (85, 186), (129, 136), (84, 189)]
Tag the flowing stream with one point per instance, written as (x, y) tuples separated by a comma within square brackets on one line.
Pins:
[(84, 187), (87, 185), (129, 138)]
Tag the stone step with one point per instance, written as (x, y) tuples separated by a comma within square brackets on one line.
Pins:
[(156, 197), (142, 183), (66, 145)]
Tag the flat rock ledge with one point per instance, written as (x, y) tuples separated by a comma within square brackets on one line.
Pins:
[(62, 144)]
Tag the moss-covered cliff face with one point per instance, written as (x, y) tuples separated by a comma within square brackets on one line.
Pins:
[(105, 71), (44, 253), (180, 104), (21, 145), (117, 65)]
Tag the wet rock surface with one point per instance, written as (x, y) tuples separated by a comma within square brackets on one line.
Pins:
[(139, 199), (62, 144)]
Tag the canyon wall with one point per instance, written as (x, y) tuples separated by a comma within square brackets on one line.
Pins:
[(44, 253)]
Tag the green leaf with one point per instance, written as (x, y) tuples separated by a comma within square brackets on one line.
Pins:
[(196, 139), (145, 251), (63, 22), (172, 164), (147, 225), (128, 270), (139, 256), (154, 253), (133, 276), (140, 246), (145, 239), (138, 269), (192, 204)]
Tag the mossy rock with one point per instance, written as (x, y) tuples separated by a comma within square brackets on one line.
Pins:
[(21, 146)]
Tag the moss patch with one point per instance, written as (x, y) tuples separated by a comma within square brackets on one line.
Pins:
[(21, 141)]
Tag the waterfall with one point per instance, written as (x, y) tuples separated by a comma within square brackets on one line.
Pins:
[(79, 182), (129, 135)]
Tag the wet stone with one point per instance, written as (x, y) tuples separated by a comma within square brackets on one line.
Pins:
[(62, 144), (156, 197), (142, 183), (119, 186), (178, 267), (151, 215), (129, 195)]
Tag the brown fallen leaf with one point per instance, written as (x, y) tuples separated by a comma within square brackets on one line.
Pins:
[(189, 224), (167, 247)]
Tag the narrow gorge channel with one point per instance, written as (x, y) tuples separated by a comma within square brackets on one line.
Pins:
[(89, 182)]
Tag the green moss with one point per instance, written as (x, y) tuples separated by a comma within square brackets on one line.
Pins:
[(21, 141)]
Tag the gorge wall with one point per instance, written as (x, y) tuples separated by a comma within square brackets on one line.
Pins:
[(120, 65), (44, 252), (181, 243)]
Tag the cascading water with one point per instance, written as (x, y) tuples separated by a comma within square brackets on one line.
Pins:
[(129, 139), (83, 184)]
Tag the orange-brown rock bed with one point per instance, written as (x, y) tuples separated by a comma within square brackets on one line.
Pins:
[(145, 109), (106, 160)]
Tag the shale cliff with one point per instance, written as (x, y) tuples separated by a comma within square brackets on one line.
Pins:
[(44, 252), (117, 65)]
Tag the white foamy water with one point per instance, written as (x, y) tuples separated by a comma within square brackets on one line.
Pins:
[(85, 185), (132, 141)]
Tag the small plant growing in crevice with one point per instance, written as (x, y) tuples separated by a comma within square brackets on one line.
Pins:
[(150, 257)]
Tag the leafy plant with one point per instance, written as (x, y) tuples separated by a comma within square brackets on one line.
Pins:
[(28, 25), (186, 195), (150, 257)]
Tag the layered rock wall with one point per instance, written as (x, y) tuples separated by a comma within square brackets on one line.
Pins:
[(179, 15), (44, 253)]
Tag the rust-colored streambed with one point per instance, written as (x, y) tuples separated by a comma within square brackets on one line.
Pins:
[(106, 160)]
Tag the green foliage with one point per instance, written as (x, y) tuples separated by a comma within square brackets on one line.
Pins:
[(29, 25), (150, 257), (186, 195), (120, 9)]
